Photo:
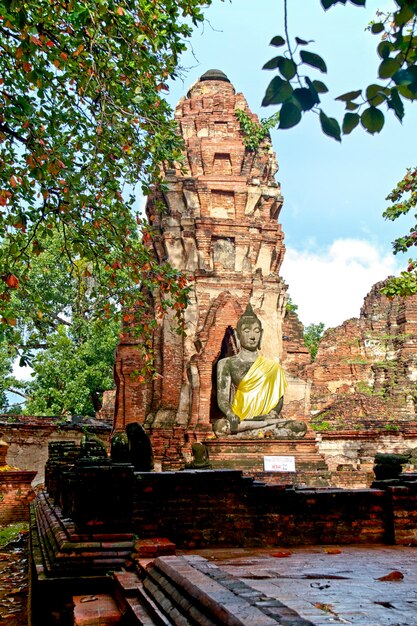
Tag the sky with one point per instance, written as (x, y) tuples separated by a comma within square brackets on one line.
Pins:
[(338, 244)]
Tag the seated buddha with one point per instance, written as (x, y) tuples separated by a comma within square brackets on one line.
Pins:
[(259, 384)]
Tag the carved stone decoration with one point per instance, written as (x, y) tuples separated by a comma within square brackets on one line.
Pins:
[(219, 226)]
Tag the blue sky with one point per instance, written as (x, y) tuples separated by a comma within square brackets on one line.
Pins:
[(334, 194)]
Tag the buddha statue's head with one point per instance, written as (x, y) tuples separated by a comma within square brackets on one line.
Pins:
[(249, 330)]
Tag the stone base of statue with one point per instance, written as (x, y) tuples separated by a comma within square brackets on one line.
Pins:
[(269, 428), (246, 452)]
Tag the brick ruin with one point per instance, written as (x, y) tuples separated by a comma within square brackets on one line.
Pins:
[(219, 225)]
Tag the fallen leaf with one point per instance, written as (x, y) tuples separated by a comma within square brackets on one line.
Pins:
[(281, 554), (394, 575), (332, 551)]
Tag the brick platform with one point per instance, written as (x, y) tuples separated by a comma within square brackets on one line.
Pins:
[(58, 550), (247, 455)]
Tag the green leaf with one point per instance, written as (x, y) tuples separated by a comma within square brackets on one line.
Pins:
[(330, 126), (359, 3), (306, 98), (301, 42), (350, 121), (350, 95), (277, 92), (375, 94), (406, 76), (388, 68), (326, 4), (377, 28), (403, 16), (287, 68), (396, 104), (289, 116), (277, 41), (272, 64), (384, 49), (310, 58), (407, 93), (351, 106), (319, 86), (372, 120), (313, 90)]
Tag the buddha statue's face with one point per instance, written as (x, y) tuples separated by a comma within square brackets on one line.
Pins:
[(249, 334)]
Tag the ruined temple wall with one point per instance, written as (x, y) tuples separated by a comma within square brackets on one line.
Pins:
[(28, 439), (372, 360)]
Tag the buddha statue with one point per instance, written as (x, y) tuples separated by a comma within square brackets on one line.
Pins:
[(259, 383)]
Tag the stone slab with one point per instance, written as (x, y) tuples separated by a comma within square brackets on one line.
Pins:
[(329, 586)]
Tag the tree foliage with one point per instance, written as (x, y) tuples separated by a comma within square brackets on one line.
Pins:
[(404, 199), (63, 335), (312, 335), (296, 92), (82, 120), (70, 375)]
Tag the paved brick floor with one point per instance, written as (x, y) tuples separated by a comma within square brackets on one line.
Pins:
[(330, 585)]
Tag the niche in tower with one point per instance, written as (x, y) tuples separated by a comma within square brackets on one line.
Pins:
[(222, 164), (229, 347)]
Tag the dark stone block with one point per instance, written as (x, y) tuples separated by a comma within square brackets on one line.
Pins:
[(140, 448)]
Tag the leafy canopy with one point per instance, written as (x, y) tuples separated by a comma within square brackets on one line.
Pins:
[(312, 335), (70, 375), (404, 199), (62, 334), (82, 120), (296, 92)]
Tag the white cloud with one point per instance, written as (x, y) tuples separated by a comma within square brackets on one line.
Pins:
[(329, 285), (21, 373)]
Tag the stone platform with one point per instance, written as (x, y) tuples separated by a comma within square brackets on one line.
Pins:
[(309, 586), (188, 590), (247, 455), (325, 585)]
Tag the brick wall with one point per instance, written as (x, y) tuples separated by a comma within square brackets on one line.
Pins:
[(223, 508), (28, 439), (16, 493), (214, 508), (404, 513)]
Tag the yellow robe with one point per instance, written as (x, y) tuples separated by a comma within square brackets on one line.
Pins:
[(260, 390)]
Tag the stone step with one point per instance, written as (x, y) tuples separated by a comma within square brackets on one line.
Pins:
[(61, 552), (138, 606), (96, 610), (191, 591)]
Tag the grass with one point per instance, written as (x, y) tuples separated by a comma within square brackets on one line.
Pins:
[(11, 532)]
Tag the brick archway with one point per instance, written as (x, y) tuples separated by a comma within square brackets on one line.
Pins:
[(224, 313)]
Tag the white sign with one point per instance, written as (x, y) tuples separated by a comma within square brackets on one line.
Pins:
[(279, 463)]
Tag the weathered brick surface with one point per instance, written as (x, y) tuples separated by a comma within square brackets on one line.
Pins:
[(28, 438), (367, 367), (232, 510), (95, 610), (404, 513), (16, 493)]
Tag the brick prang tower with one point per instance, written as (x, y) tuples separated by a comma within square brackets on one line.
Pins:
[(220, 226)]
